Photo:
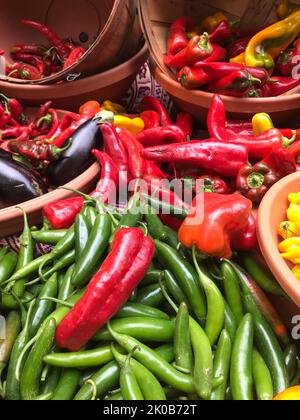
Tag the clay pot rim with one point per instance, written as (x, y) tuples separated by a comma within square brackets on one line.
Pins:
[(269, 246)]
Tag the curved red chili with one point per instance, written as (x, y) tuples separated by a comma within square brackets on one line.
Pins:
[(109, 177)]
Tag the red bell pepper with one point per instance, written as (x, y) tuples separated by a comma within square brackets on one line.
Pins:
[(255, 181), (246, 239), (177, 38), (197, 49), (193, 78), (150, 103), (221, 33), (130, 258), (214, 220), (280, 85), (209, 155), (161, 135)]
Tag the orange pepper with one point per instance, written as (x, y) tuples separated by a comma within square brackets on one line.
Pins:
[(291, 394), (90, 109)]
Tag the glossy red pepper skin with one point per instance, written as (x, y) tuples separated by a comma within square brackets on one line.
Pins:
[(280, 85), (216, 120), (237, 47), (237, 84), (218, 54), (16, 109), (35, 152), (149, 103), (36, 62), (32, 49), (29, 73), (288, 60), (75, 55), (193, 78), (130, 257), (294, 149), (107, 186), (212, 183), (171, 221), (208, 155), (61, 136), (186, 123), (62, 214), (137, 165), (161, 135), (151, 119), (246, 240), (221, 33), (240, 128), (13, 132), (177, 38), (197, 49)]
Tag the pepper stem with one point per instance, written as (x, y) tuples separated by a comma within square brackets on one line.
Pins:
[(204, 41), (255, 180), (288, 142), (46, 118)]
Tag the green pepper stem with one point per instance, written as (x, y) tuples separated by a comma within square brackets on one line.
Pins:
[(255, 180), (288, 142), (60, 302), (204, 41)]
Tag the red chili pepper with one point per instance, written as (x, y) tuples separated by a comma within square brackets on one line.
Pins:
[(74, 57), (151, 119), (222, 70), (137, 164), (14, 70), (13, 132), (246, 240), (240, 128), (219, 54), (36, 62), (237, 47), (61, 137), (209, 155), (14, 107), (280, 85), (193, 78), (288, 60), (161, 135), (51, 37), (130, 257), (32, 49), (107, 186), (171, 221), (5, 119), (216, 120), (67, 120), (255, 181), (294, 149), (62, 214), (29, 73), (36, 152), (197, 49), (153, 171), (186, 123), (221, 33), (212, 183), (177, 39), (54, 125), (237, 84), (150, 103)]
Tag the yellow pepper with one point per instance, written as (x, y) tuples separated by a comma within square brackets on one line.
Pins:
[(293, 214), (288, 230), (292, 256), (261, 123), (268, 44), (134, 126), (294, 198), (211, 22), (286, 8), (296, 271), (115, 108), (290, 244)]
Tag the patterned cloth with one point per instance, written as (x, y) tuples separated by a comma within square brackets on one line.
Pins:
[(144, 85)]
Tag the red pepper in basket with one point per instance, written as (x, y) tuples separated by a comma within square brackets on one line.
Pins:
[(13, 132), (237, 47), (246, 240), (237, 84), (51, 37), (74, 57), (32, 49), (36, 152), (193, 78), (161, 135), (288, 60), (254, 181), (130, 257), (107, 186), (29, 73), (218, 54), (150, 103), (214, 220), (209, 155), (177, 39), (280, 85), (221, 33), (197, 49), (137, 164), (186, 123), (36, 62), (151, 119)]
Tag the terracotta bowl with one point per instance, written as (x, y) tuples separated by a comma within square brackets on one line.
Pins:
[(282, 109), (271, 213), (112, 84), (11, 219)]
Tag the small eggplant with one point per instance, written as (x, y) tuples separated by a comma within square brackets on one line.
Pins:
[(17, 182), (78, 157)]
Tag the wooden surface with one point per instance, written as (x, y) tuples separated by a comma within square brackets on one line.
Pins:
[(257, 14)]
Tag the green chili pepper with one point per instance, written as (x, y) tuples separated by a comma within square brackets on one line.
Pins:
[(3, 251), (64, 262), (7, 266), (215, 304), (82, 233), (94, 250), (27, 271), (230, 322), (100, 383), (137, 310), (232, 291), (155, 226), (80, 360), (144, 329), (262, 277), (43, 308), (114, 397), (49, 237), (66, 288), (155, 363), (222, 365), (262, 378), (290, 357), (30, 380), (50, 384), (166, 352), (91, 214), (241, 362), (165, 208), (153, 276), (182, 340), (150, 296), (149, 385), (174, 289), (130, 388), (186, 277), (67, 385)]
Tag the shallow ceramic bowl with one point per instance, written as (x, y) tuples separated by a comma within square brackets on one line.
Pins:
[(11, 219), (271, 213)]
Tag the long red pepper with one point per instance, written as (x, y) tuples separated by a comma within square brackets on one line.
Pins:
[(38, 50), (218, 54), (280, 85), (151, 119), (193, 78), (137, 164), (149, 103), (108, 184), (161, 135), (177, 37), (209, 155), (130, 257), (74, 56), (62, 214), (221, 33), (238, 84), (186, 123), (216, 120), (37, 62)]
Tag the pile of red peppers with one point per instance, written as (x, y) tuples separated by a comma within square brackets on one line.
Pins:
[(34, 62)]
